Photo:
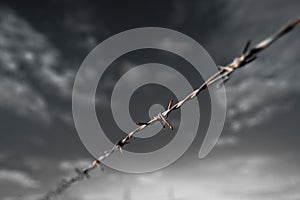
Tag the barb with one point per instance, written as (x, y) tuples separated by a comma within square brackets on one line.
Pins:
[(223, 74)]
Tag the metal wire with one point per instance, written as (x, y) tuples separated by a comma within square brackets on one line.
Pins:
[(224, 73)]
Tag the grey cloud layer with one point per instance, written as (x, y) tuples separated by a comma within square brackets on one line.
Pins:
[(28, 68)]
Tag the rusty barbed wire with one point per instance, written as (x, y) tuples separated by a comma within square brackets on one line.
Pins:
[(248, 55)]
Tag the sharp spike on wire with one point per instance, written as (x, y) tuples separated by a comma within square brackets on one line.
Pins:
[(141, 123), (121, 151), (246, 46), (170, 104), (165, 121)]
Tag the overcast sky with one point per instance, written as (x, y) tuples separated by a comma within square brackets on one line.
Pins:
[(42, 44)]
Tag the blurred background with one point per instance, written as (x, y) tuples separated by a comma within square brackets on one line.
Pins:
[(42, 44)]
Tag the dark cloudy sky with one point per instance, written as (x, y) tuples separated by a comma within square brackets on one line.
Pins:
[(42, 44)]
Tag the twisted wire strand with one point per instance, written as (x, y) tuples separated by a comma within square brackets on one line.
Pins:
[(223, 74)]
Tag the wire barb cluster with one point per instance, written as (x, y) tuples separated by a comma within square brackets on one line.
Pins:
[(248, 55)]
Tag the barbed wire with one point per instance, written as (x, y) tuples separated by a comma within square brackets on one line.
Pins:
[(248, 55)]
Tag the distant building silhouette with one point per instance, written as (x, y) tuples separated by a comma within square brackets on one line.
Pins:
[(127, 194), (171, 194)]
